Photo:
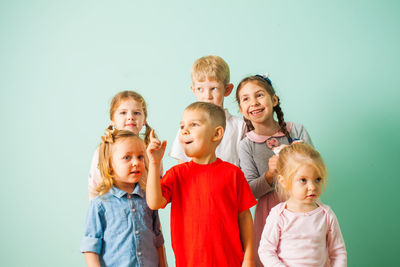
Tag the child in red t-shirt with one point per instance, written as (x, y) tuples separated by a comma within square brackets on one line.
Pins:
[(211, 224)]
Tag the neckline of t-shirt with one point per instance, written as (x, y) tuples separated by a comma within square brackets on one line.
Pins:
[(218, 160), (309, 213)]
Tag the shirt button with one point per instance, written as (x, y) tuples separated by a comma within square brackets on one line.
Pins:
[(139, 253), (133, 210), (136, 232)]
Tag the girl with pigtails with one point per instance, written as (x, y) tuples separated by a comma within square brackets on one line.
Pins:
[(121, 230), (128, 111), (258, 151)]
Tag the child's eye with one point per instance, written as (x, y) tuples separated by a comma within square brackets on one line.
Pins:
[(194, 124), (260, 95), (303, 180), (214, 88), (122, 112), (199, 89), (181, 127), (318, 180), (137, 113), (244, 99), (141, 157), (127, 157)]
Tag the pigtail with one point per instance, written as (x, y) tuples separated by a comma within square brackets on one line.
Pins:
[(249, 125), (147, 134), (104, 165), (281, 121)]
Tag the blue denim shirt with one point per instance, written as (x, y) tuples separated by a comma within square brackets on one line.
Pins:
[(122, 229)]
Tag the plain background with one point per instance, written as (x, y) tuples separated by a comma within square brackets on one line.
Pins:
[(334, 64)]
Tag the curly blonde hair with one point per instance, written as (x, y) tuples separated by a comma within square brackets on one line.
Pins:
[(111, 137)]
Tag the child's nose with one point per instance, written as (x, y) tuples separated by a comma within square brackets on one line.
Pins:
[(184, 131), (254, 102), (209, 94), (311, 186)]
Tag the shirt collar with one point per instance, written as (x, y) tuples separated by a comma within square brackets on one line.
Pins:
[(256, 138), (121, 193)]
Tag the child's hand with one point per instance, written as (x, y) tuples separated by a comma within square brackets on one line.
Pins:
[(156, 149), (278, 149), (272, 172)]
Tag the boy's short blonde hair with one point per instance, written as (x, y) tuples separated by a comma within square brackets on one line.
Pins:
[(215, 113), (212, 68)]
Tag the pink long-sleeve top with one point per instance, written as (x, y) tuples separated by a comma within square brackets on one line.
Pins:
[(302, 239)]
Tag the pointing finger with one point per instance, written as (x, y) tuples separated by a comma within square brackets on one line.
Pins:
[(152, 135)]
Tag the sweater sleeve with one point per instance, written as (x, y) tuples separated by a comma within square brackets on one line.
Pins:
[(258, 184), (299, 132), (336, 247), (268, 249)]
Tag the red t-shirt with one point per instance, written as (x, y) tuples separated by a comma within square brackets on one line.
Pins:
[(205, 204)]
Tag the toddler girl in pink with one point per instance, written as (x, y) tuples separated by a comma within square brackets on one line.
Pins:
[(301, 231)]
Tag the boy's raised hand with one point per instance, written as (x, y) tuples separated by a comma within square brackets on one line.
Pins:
[(156, 149)]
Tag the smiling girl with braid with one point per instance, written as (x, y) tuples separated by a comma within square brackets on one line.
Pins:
[(258, 103)]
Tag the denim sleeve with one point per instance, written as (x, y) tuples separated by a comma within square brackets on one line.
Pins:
[(93, 238), (159, 238)]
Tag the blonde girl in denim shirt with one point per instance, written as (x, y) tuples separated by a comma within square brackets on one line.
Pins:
[(120, 229)]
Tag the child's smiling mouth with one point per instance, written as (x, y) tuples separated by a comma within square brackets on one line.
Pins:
[(256, 111)]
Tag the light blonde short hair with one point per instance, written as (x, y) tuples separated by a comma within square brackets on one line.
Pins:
[(292, 157), (212, 68)]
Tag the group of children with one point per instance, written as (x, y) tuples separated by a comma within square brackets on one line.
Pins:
[(225, 164)]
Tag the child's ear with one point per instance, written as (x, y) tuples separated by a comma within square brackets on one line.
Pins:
[(218, 133), (282, 181), (228, 89), (192, 88), (275, 100)]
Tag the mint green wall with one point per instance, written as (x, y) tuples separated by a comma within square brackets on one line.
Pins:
[(335, 65)]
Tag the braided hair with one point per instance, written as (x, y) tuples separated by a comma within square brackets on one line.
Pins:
[(265, 83)]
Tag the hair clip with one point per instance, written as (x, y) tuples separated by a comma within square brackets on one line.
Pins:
[(265, 77), (296, 141), (278, 149), (108, 136)]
